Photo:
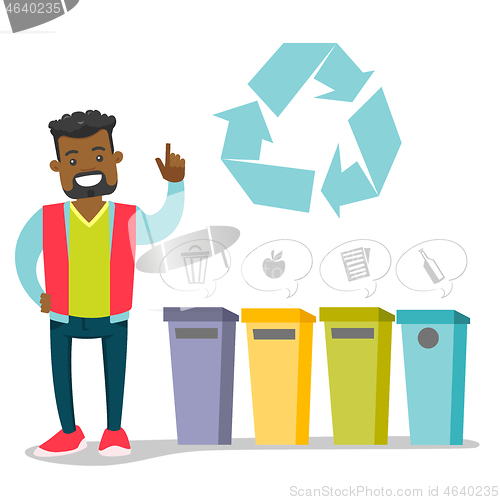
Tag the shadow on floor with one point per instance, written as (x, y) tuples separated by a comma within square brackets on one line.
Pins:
[(145, 450)]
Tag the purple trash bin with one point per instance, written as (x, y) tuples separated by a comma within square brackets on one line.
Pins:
[(202, 351)]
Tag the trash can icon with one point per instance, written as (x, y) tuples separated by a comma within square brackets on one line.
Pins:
[(195, 263), (358, 346), (434, 346), (202, 341), (280, 353)]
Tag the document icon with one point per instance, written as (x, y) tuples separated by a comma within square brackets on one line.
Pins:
[(356, 263)]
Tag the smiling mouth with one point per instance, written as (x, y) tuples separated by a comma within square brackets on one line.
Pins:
[(88, 180)]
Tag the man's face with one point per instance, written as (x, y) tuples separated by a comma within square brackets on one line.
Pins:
[(87, 167)]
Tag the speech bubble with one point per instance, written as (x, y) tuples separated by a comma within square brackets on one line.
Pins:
[(356, 265), (277, 265), (194, 265), (432, 265)]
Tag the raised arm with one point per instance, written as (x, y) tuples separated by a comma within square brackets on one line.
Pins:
[(153, 228), (28, 249)]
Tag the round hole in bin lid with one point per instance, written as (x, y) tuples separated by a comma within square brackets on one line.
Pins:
[(428, 338)]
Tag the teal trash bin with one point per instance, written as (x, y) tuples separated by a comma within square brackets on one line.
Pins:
[(434, 346)]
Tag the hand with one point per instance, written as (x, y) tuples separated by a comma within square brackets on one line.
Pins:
[(174, 168), (46, 302)]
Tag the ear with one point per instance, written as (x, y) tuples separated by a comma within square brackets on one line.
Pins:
[(117, 156), (55, 165)]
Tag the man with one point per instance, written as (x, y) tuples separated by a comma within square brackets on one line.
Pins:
[(89, 249)]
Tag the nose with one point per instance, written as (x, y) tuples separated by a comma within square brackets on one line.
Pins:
[(87, 169)]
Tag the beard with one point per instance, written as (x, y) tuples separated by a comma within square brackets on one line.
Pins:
[(95, 185)]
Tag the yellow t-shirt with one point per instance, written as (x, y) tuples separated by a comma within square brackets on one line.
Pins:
[(89, 264)]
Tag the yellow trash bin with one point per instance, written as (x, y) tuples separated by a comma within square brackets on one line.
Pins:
[(280, 353), (358, 346)]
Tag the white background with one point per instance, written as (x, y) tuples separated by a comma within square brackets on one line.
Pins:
[(163, 69)]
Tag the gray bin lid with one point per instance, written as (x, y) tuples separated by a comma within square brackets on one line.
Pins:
[(198, 314)]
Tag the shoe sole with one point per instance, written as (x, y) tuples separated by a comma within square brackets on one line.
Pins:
[(40, 452), (115, 451)]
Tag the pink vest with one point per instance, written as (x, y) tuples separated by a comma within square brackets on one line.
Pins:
[(122, 258)]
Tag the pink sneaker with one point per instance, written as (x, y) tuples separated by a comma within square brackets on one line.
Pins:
[(62, 444), (114, 444)]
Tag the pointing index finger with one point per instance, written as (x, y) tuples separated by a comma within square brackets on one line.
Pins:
[(167, 155)]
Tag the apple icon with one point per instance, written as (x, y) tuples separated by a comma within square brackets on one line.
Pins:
[(274, 267)]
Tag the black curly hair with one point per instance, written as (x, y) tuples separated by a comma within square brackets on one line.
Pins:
[(80, 124)]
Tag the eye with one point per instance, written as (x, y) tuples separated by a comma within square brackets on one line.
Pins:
[(72, 162), (99, 158)]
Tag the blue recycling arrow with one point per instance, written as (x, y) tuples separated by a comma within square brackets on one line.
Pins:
[(287, 71), (341, 188), (272, 186), (378, 141), (377, 137), (276, 84), (340, 73), (245, 133)]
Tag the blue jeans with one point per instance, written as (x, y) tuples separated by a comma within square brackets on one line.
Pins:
[(114, 350)]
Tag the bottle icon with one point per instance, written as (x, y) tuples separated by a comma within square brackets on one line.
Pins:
[(431, 268)]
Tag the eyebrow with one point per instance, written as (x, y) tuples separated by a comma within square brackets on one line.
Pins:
[(72, 151), (98, 147)]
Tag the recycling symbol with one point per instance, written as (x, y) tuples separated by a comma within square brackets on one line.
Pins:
[(276, 84)]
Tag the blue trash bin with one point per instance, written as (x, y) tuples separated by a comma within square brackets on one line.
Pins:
[(434, 345)]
